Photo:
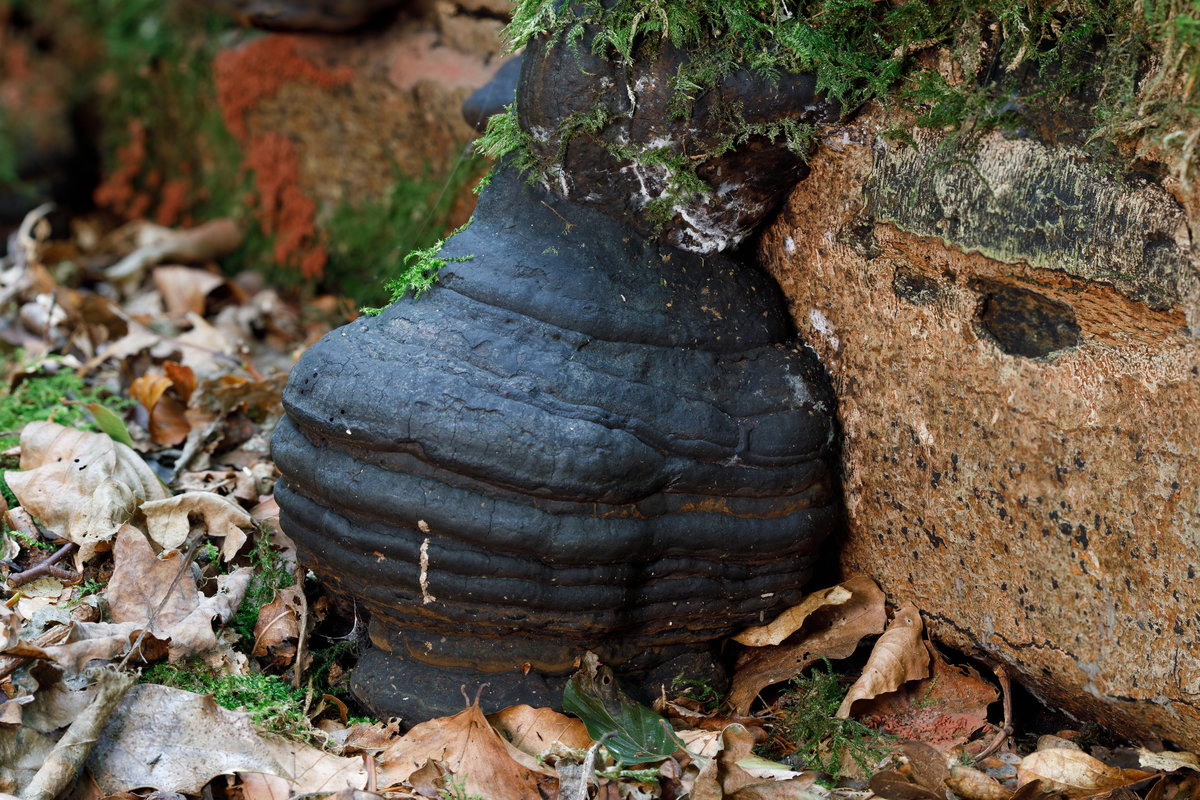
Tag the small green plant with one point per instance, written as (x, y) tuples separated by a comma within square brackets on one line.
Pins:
[(421, 269), (456, 789), (89, 587), (271, 702), (699, 690), (271, 574), (812, 730)]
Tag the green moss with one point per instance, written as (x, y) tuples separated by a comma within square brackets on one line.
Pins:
[(45, 396), (420, 270), (271, 702), (1133, 67), (809, 728), (271, 573)]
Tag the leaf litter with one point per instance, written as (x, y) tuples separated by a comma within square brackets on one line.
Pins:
[(144, 541)]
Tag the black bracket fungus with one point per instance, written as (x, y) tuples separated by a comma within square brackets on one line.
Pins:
[(581, 438)]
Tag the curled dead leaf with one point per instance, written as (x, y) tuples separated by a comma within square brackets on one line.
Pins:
[(971, 784), (898, 657), (471, 750), (834, 632), (791, 620), (535, 730), (169, 521), (1074, 773)]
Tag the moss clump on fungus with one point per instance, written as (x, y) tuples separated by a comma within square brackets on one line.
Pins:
[(1133, 64)]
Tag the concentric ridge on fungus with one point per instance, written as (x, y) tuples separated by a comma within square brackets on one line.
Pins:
[(576, 440)]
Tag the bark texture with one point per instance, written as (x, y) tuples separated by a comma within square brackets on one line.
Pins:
[(1009, 333)]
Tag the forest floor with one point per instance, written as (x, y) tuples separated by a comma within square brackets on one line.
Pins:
[(158, 638)]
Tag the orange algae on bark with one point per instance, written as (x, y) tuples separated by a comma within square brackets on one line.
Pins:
[(244, 76), (282, 208), (118, 191)]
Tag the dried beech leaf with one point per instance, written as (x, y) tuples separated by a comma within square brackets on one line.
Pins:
[(80, 485), (736, 773), (1074, 772), (141, 582), (791, 620), (371, 738), (927, 764), (534, 730), (278, 621), (942, 710), (175, 741), (310, 770), (471, 750), (148, 390), (971, 784), (891, 785), (185, 289), (168, 523), (1168, 761), (898, 657), (836, 632)]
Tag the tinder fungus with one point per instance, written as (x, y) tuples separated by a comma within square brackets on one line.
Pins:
[(584, 437)]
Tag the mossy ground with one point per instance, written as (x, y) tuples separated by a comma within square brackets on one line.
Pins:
[(59, 395)]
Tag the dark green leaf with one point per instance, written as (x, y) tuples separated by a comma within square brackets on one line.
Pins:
[(639, 736)]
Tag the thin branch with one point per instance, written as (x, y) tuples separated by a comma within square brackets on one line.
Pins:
[(46, 568)]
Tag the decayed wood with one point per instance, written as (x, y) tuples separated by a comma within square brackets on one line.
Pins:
[(1018, 392)]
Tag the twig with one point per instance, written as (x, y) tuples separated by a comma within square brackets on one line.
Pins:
[(46, 568), (589, 767), (183, 567), (372, 777), (64, 762), (1006, 731), (303, 630)]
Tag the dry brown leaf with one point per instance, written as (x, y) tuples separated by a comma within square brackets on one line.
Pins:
[(942, 710), (310, 770), (535, 730), (835, 633), (185, 289), (89, 641), (81, 485), (175, 741), (791, 620), (891, 785), (168, 423), (971, 784), (371, 738), (736, 773), (148, 389), (206, 350), (183, 379), (1074, 772), (141, 582), (471, 750), (1168, 760), (278, 621), (168, 521), (927, 764), (898, 657)]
